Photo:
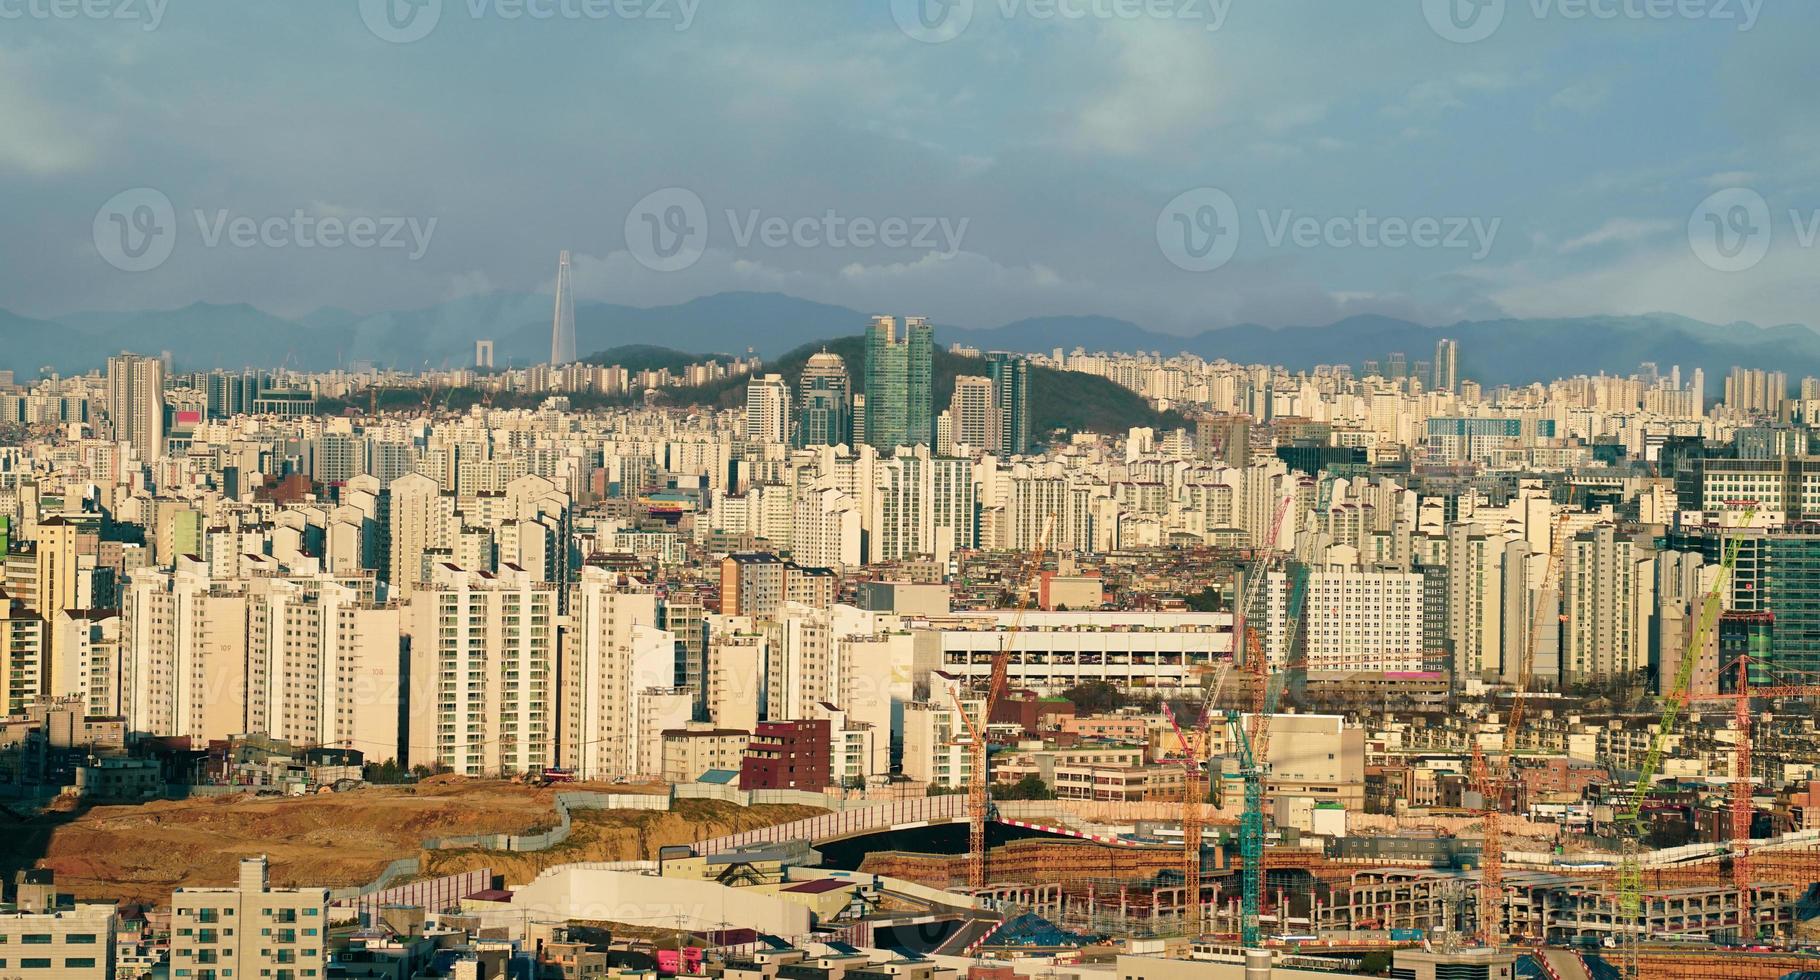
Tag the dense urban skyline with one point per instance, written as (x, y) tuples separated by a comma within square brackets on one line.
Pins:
[(909, 490)]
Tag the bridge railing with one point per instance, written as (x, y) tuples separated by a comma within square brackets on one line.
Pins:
[(858, 820)]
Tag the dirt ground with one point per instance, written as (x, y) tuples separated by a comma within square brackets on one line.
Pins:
[(140, 853)]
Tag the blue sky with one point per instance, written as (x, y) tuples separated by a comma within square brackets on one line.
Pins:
[(1038, 142)]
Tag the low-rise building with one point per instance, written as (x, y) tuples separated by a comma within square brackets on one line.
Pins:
[(252, 929), (43, 936)]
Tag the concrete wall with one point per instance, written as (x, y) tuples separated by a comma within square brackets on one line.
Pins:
[(636, 899)]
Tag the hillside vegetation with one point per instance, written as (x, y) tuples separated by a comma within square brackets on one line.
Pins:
[(1065, 401)]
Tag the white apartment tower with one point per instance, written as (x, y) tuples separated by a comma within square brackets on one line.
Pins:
[(767, 409), (135, 402), (614, 650), (1609, 595), (973, 415), (485, 643)]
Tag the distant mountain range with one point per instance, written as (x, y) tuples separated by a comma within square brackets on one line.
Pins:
[(205, 336)]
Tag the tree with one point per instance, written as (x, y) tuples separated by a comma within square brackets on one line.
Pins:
[(1095, 697), (385, 773), (1031, 787), (1207, 600), (1376, 963)]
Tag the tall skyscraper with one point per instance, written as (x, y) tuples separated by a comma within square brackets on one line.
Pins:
[(767, 409), (562, 331), (824, 402), (919, 385), (1447, 365), (973, 415), (1011, 401), (135, 402), (899, 383)]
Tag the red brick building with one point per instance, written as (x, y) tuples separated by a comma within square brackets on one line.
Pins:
[(788, 755)]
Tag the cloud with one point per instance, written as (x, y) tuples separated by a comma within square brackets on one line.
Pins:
[(1622, 231), (41, 139), (1165, 85)]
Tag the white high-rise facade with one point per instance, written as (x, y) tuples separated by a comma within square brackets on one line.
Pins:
[(1609, 595), (485, 643), (615, 651), (767, 409), (135, 402)]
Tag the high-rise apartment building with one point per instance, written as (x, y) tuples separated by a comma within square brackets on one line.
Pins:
[(614, 655), (1446, 365), (22, 654), (767, 410), (899, 383), (1010, 376), (972, 415), (824, 402), (309, 658), (1751, 392), (1608, 598), (1364, 619), (485, 643), (135, 402), (252, 930)]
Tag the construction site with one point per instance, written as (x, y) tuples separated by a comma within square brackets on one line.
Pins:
[(1200, 866)]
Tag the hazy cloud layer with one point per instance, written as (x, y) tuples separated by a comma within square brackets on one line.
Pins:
[(1051, 133)]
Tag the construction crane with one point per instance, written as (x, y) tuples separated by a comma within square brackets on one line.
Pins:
[(1251, 836), (1194, 796), (1630, 864), (979, 780), (1272, 685), (1741, 805), (1256, 663), (1491, 783), (1251, 744), (1194, 793)]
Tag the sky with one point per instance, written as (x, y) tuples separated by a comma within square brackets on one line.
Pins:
[(1184, 164)]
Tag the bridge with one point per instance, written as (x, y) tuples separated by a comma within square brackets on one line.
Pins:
[(909, 814)]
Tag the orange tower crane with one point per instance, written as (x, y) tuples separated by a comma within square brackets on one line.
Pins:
[(1492, 781), (1741, 806), (979, 780)]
